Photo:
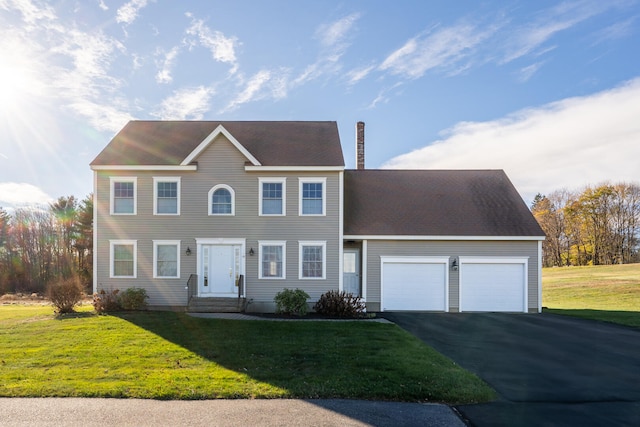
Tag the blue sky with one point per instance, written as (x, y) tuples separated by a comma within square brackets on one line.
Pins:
[(549, 91)]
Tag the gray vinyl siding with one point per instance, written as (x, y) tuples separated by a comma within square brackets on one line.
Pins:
[(220, 163), (378, 248)]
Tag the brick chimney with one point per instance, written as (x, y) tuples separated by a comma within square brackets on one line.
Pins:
[(360, 145)]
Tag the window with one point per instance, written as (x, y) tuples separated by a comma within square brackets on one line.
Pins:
[(272, 259), (166, 259), (273, 198), (221, 200), (166, 199), (123, 195), (312, 200), (123, 258), (312, 260)]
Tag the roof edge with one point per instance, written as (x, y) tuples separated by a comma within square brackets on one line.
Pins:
[(205, 143)]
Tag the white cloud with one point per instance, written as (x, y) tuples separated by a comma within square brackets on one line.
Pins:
[(565, 144), (527, 72), (333, 34), (102, 5), (30, 11), (103, 117), (185, 104), (222, 48), (166, 65), (616, 31), (383, 96), (18, 194), (566, 15), (357, 74), (440, 48), (128, 12), (333, 40), (262, 85)]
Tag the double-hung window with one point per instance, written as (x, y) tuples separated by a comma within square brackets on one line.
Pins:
[(123, 195), (166, 259), (313, 260), (272, 259), (312, 196), (166, 200), (221, 200), (123, 255), (273, 198)]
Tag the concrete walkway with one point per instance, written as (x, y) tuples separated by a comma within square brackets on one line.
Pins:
[(63, 412)]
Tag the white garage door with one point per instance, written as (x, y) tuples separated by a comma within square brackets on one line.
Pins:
[(418, 283), (493, 284)]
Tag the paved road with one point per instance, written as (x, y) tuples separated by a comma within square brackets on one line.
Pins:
[(49, 412), (547, 369)]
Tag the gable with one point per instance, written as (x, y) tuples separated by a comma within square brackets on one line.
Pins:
[(435, 203), (220, 130), (177, 143)]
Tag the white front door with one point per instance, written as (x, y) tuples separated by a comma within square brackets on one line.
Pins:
[(351, 272), (219, 271)]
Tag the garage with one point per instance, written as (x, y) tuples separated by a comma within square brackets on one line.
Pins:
[(493, 284), (414, 283)]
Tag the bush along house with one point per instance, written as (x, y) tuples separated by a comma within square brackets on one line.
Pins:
[(220, 216)]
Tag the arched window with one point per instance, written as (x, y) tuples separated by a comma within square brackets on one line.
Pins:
[(221, 200)]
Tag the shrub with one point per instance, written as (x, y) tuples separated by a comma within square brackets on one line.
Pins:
[(291, 301), (133, 299), (65, 294), (104, 302), (340, 304)]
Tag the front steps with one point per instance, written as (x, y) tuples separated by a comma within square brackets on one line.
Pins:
[(216, 305)]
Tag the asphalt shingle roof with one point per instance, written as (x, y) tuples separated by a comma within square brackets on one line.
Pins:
[(435, 203), (168, 143)]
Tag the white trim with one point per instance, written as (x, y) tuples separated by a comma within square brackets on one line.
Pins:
[(210, 200), (312, 180), (539, 277), (494, 260), (364, 266), (205, 143), (273, 180), (283, 245), (416, 237), (95, 232), (157, 243), (112, 181), (341, 231), (158, 179), (250, 168), (415, 260), (145, 168), (112, 243), (219, 241), (200, 241), (301, 245)]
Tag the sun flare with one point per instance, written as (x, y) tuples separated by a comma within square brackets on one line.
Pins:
[(14, 86)]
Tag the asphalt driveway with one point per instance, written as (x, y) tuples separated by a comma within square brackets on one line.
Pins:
[(547, 369)]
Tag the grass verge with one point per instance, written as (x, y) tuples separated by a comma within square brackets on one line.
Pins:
[(164, 355), (608, 293)]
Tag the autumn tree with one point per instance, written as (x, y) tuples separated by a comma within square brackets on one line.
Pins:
[(599, 225)]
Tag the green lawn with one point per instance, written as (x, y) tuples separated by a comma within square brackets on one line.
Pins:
[(164, 355), (610, 293)]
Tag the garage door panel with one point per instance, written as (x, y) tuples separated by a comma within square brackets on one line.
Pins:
[(492, 287), (414, 286)]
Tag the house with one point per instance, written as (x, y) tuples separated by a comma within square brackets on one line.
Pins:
[(237, 211)]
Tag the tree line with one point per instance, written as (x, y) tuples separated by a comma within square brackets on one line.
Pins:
[(41, 245), (596, 226)]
